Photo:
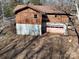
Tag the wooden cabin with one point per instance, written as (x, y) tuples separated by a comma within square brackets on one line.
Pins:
[(38, 19)]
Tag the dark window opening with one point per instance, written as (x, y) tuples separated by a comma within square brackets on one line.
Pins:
[(44, 21), (45, 18), (55, 15), (54, 27), (35, 16)]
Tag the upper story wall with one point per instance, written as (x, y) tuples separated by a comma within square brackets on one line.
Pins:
[(58, 18), (28, 17)]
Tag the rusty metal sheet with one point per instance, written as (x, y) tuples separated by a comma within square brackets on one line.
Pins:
[(25, 17), (58, 18)]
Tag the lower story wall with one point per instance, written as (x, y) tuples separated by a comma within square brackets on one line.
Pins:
[(57, 28), (35, 29), (28, 29)]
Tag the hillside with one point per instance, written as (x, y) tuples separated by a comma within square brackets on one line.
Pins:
[(47, 46)]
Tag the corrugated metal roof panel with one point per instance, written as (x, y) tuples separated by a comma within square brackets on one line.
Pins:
[(40, 8)]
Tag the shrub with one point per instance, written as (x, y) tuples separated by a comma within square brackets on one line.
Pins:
[(8, 10)]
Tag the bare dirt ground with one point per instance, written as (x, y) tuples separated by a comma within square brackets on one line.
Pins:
[(47, 46)]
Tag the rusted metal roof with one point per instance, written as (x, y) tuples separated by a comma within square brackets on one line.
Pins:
[(19, 7), (39, 8)]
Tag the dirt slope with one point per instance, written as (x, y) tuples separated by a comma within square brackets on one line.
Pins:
[(47, 46)]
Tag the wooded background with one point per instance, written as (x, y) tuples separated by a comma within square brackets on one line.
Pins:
[(65, 5)]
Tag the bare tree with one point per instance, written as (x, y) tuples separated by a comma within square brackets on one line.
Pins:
[(2, 7), (77, 8)]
